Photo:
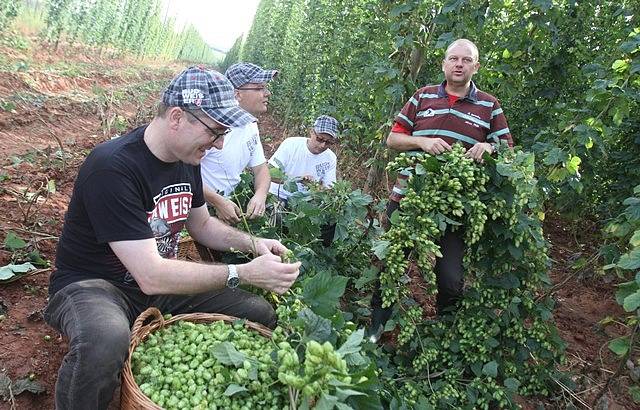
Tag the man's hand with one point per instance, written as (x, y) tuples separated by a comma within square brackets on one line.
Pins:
[(434, 146), (227, 211), (305, 179), (256, 206), (477, 151), (268, 272), (266, 246)]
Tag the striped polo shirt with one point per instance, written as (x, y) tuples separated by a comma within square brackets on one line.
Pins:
[(475, 118)]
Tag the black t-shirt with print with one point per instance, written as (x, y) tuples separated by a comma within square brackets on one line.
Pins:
[(123, 192)]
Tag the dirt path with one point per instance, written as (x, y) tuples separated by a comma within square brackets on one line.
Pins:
[(48, 123)]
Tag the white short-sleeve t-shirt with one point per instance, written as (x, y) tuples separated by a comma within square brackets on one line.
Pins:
[(298, 161), (242, 148)]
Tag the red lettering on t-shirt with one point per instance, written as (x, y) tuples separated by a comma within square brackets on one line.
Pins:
[(173, 207)]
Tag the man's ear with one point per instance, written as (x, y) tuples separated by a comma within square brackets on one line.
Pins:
[(174, 116), (237, 94)]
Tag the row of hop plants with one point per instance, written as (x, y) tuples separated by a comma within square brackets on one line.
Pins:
[(139, 27), (568, 91), (8, 12)]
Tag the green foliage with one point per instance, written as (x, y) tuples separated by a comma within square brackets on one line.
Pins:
[(568, 90), (443, 191), (9, 10), (13, 242), (11, 388), (23, 258), (323, 359), (58, 12), (625, 254), (135, 26), (233, 55), (11, 272), (500, 342)]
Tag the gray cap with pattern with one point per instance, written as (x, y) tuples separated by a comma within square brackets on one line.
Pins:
[(208, 90), (242, 73), (325, 124)]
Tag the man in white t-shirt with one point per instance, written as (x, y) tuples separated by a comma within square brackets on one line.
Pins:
[(309, 159), (242, 148)]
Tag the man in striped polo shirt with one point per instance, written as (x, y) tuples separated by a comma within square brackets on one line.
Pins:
[(433, 119)]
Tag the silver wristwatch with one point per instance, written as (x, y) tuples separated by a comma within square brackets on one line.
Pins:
[(232, 278)]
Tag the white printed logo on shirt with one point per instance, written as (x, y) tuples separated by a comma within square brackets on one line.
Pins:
[(322, 169)]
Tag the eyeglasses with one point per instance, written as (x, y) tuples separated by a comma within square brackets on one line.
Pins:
[(216, 133), (324, 140), (261, 89)]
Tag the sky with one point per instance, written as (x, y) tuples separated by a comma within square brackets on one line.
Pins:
[(220, 22)]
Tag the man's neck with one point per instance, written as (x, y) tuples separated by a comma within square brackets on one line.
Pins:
[(155, 140), (248, 109), (458, 90)]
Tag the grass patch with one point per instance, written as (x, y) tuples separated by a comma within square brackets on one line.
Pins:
[(72, 70), (30, 20)]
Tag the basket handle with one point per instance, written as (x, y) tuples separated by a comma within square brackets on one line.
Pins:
[(152, 313)]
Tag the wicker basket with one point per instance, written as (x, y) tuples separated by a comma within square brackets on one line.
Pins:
[(190, 250), (187, 250), (131, 397)]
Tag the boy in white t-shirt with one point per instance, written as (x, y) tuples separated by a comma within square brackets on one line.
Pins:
[(242, 148), (307, 158)]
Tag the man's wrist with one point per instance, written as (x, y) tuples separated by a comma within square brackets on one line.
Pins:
[(261, 195), (251, 244), (233, 279), (242, 274), (216, 199)]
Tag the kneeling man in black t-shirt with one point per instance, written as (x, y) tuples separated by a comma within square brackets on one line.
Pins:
[(116, 255)]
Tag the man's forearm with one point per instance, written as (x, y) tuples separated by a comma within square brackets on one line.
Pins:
[(261, 180), (212, 197), (217, 235), (403, 142), (156, 275), (172, 276)]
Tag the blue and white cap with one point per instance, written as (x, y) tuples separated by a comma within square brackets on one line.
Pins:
[(208, 90), (242, 73), (325, 124)]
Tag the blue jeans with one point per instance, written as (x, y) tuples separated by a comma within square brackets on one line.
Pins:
[(96, 317)]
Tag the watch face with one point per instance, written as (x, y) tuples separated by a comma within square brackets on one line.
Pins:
[(233, 282)]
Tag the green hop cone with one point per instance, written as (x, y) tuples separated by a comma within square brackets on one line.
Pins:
[(287, 257)]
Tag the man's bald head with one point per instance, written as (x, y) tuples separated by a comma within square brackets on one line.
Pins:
[(466, 43)]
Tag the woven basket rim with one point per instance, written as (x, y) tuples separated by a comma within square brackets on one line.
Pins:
[(131, 397), (184, 239)]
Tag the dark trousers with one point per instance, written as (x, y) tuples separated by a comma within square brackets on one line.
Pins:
[(96, 317), (448, 269)]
